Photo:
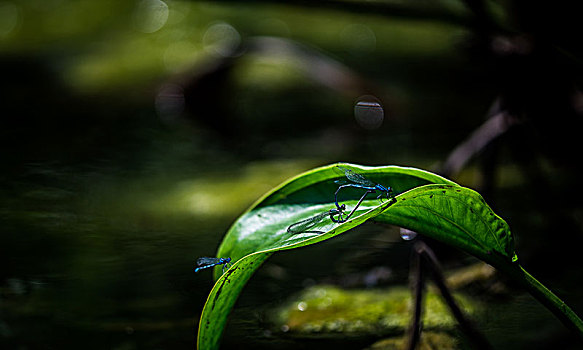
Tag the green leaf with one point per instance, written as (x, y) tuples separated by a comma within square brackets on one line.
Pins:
[(262, 230), (424, 202), (264, 226), (457, 216)]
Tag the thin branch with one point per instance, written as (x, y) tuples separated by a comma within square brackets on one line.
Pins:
[(417, 279), (465, 324), (494, 127)]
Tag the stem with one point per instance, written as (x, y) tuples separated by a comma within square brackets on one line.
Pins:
[(479, 341), (418, 286), (558, 307)]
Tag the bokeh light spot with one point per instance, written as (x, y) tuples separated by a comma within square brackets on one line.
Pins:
[(150, 15), (369, 113), (222, 39), (9, 17)]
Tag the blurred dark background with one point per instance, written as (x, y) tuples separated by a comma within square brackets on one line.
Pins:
[(133, 134)]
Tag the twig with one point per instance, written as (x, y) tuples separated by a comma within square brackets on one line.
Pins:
[(465, 324), (417, 278), (496, 125)]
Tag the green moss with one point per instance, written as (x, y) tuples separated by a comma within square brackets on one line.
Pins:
[(429, 341), (328, 309)]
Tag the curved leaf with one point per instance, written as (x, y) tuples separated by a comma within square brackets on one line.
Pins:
[(262, 230), (425, 202), (264, 225), (457, 216)]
